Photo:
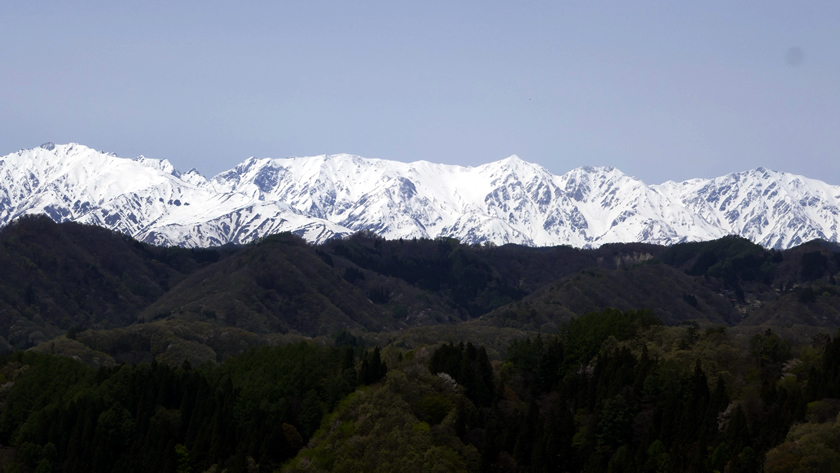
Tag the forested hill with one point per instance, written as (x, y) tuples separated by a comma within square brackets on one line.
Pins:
[(610, 392), (56, 277), (116, 295), (363, 354)]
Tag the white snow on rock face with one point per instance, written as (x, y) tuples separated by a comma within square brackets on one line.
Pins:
[(773, 209), (329, 196), (145, 198)]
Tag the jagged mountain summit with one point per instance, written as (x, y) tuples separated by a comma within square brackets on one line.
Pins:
[(774, 209), (145, 198), (329, 196)]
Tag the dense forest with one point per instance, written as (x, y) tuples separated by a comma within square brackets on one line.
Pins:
[(610, 391), (365, 354)]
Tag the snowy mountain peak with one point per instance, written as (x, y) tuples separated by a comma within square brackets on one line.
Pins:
[(596, 169), (160, 164), (328, 196), (774, 209), (599, 172), (513, 160), (194, 177)]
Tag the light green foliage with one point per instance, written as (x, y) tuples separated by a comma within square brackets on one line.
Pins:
[(165, 341), (721, 354), (808, 447), (481, 333), (183, 454), (435, 407), (769, 348), (378, 430), (64, 346), (614, 424), (420, 427), (658, 459)]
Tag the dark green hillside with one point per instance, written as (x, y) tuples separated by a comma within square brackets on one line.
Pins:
[(259, 408), (674, 296), (142, 302), (737, 262), (609, 392), (727, 281), (280, 284), (460, 274), (814, 305), (730, 255), (165, 341), (767, 287), (55, 277), (204, 362), (471, 279), (814, 262), (732, 265)]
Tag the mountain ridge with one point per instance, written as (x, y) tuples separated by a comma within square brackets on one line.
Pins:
[(332, 196)]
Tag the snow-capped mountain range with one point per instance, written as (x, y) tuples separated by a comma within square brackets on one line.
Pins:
[(323, 197)]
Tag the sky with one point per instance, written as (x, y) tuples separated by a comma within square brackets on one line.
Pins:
[(660, 90)]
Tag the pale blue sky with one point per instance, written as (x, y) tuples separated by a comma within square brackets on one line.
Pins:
[(660, 90)]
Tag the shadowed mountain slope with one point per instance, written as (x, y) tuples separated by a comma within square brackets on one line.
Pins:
[(277, 285), (672, 295), (56, 276), (69, 277)]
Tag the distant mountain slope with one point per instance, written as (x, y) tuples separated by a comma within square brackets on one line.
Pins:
[(56, 277), (328, 196), (63, 278), (277, 286), (672, 295), (729, 281)]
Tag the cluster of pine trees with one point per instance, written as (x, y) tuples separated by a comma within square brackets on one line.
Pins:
[(259, 408)]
